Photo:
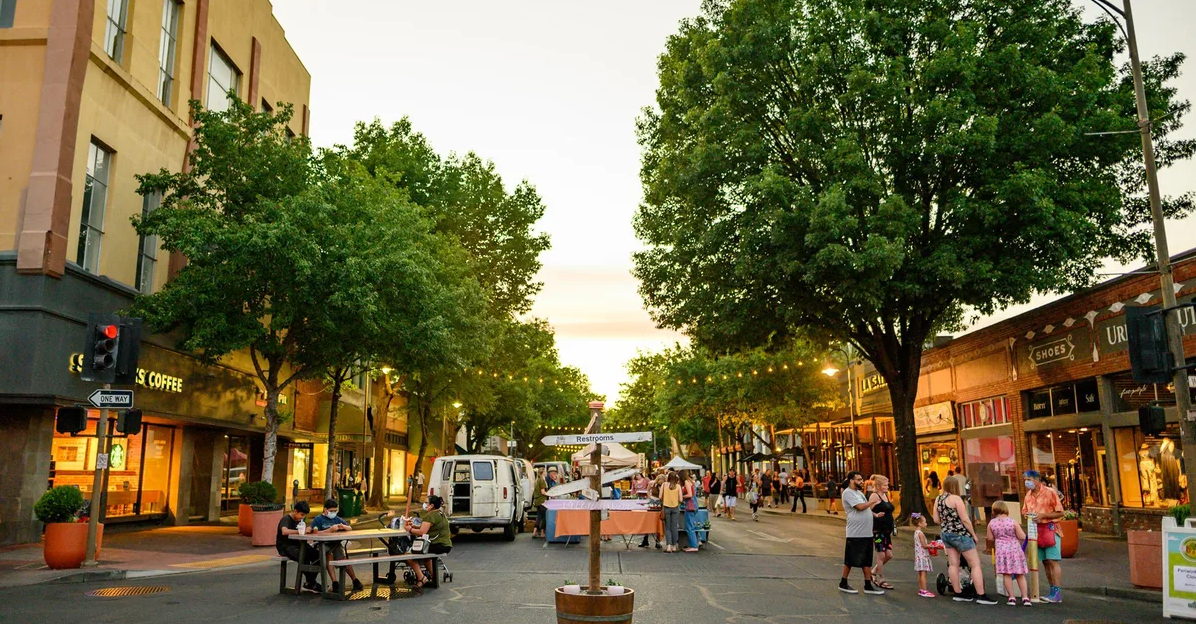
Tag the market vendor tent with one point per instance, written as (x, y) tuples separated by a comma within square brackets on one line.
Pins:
[(619, 456), (678, 463)]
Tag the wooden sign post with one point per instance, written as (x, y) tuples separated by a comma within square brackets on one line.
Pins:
[(595, 585)]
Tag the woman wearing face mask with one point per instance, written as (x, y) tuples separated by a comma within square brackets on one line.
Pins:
[(436, 527), (329, 522)]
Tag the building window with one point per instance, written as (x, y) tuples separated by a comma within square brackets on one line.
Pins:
[(7, 9), (1079, 397), (1151, 468), (95, 197), (222, 78), (984, 413), (1073, 462), (147, 248), (138, 468), (114, 36), (170, 34)]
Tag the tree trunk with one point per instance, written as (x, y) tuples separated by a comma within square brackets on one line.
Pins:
[(903, 391), (271, 446), (378, 485), (333, 410), (424, 412)]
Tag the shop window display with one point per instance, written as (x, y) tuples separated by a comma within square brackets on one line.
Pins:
[(1073, 462), (991, 468), (138, 468), (1151, 468), (984, 413)]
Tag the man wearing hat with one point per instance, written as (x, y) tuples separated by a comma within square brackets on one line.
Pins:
[(289, 548)]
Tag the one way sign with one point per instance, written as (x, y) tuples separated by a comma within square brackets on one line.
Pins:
[(115, 399)]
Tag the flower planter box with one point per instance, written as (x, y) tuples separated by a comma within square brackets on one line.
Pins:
[(1069, 540), (64, 545), (1146, 558), (586, 608)]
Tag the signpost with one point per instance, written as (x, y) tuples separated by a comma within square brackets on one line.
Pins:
[(596, 438), (111, 399)]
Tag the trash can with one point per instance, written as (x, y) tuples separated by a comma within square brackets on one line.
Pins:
[(347, 501)]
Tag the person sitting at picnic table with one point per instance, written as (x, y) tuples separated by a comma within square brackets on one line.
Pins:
[(436, 527), (289, 548), (329, 522)]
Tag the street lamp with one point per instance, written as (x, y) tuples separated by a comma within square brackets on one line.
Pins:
[(831, 371)]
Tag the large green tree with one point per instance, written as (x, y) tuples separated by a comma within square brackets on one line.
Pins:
[(869, 170)]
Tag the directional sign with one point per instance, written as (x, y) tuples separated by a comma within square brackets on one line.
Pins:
[(573, 487), (590, 438), (118, 399), (590, 494)]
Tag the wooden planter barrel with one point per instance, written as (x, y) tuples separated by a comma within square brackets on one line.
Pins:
[(586, 608)]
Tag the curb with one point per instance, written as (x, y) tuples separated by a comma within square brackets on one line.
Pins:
[(1140, 595), (91, 576)]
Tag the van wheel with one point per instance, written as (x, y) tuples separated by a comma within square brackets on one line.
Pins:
[(508, 532)]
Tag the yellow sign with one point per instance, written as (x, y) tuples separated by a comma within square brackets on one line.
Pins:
[(148, 379)]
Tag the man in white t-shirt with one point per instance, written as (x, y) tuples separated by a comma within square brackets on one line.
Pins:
[(858, 551), (784, 487)]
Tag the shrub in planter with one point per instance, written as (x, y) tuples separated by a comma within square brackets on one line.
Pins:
[(1180, 513), (65, 543), (1069, 536), (259, 495)]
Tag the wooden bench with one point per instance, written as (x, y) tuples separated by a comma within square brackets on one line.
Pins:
[(438, 568)]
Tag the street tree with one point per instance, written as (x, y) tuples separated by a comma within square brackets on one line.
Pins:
[(871, 170), (250, 220)]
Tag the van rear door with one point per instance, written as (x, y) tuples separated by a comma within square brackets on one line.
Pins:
[(457, 477), (484, 484)]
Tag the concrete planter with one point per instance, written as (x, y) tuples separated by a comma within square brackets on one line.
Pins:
[(1146, 558), (265, 527), (586, 608), (65, 544)]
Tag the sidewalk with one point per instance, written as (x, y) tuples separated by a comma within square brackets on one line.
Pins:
[(150, 552), (1101, 566)]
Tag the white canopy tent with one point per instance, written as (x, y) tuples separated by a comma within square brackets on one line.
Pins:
[(618, 456), (678, 463)]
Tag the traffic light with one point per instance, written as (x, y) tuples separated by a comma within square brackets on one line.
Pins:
[(1151, 419), (71, 420), (1150, 359), (129, 422), (101, 348), (128, 350)]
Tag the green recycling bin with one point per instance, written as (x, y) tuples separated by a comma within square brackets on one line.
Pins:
[(348, 503)]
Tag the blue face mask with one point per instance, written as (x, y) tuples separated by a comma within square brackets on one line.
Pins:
[(1029, 484)]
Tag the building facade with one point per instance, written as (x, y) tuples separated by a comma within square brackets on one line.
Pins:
[(93, 93)]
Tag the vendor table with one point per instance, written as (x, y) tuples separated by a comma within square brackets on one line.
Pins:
[(626, 524)]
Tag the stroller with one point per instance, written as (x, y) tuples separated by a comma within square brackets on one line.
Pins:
[(402, 546), (943, 584)]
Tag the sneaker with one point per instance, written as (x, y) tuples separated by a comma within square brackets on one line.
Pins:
[(357, 586), (642, 544), (1056, 596), (1011, 602), (336, 587), (962, 598), (1027, 603), (925, 593), (985, 600), (869, 588), (845, 588), (313, 587)]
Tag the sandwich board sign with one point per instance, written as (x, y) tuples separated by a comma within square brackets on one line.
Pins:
[(1179, 569)]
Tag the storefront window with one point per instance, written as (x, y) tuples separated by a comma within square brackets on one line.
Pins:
[(138, 468), (300, 466), (1079, 397), (396, 462), (991, 469), (236, 468), (1073, 461), (984, 413), (1151, 468)]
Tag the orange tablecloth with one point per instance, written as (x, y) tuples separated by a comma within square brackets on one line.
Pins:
[(577, 522)]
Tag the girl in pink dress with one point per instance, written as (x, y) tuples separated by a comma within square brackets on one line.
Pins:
[(922, 563), (1011, 557)]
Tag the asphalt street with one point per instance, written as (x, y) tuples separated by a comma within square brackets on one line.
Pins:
[(779, 569)]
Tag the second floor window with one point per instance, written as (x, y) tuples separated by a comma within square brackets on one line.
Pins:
[(7, 9), (114, 34), (984, 413), (147, 248), (95, 199), (222, 78), (170, 33)]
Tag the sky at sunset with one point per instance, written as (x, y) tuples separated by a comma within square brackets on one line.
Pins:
[(549, 90)]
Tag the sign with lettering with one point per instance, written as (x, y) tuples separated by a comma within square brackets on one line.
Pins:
[(590, 438), (145, 378), (1112, 336), (1040, 404), (934, 418), (872, 383), (1072, 347)]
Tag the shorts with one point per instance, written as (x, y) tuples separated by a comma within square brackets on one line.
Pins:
[(882, 541), (1052, 553), (858, 552), (438, 549), (962, 543), (336, 551), (729, 501)]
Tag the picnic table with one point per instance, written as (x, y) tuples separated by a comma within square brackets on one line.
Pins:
[(324, 540)]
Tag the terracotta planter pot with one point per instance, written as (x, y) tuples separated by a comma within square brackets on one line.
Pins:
[(584, 608), (265, 527), (245, 520), (1069, 542), (1146, 558), (65, 544)]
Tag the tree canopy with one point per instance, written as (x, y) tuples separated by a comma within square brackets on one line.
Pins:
[(866, 170)]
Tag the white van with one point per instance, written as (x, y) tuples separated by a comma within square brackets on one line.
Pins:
[(562, 470), (527, 481), (480, 492)]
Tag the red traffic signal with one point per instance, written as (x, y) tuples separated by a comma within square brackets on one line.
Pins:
[(110, 331)]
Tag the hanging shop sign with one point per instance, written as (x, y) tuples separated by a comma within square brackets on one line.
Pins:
[(1112, 336), (872, 383), (934, 418), (151, 379), (1046, 353)]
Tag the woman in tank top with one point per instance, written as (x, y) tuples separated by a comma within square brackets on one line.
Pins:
[(882, 529), (960, 539)]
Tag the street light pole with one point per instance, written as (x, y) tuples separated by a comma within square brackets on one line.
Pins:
[(1175, 340)]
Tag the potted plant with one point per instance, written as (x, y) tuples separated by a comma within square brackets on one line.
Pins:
[(1069, 534), (571, 587), (611, 603), (260, 497), (64, 545), (614, 587)]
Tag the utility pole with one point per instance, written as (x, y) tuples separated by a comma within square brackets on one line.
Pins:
[(1175, 339), (97, 487)]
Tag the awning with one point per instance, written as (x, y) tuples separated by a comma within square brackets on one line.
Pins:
[(679, 463)]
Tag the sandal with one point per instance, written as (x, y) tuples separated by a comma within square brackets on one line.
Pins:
[(885, 585)]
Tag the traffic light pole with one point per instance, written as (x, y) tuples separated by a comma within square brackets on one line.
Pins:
[(97, 486), (1175, 340)]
